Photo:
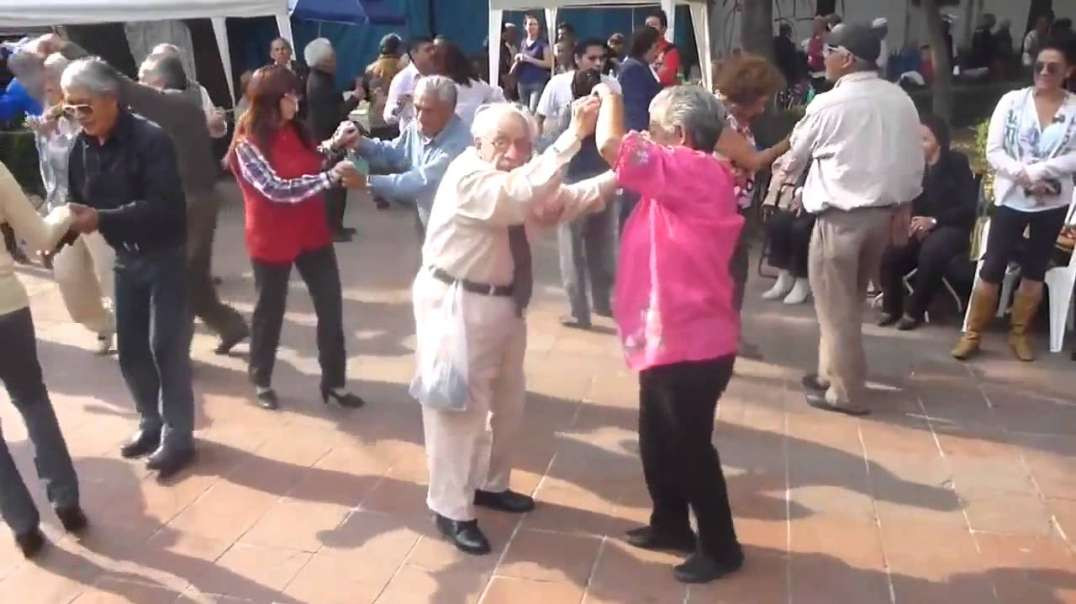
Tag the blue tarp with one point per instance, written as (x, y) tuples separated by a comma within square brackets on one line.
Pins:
[(351, 12)]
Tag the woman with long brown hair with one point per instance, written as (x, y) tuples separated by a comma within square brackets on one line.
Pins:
[(281, 174)]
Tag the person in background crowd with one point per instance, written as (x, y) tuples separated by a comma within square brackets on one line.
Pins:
[(125, 168), (477, 238), (532, 64), (676, 319), (20, 371), (832, 21), (215, 119), (244, 100), (1031, 147), (668, 55), (556, 102), (83, 269), (862, 142), (510, 39), (785, 54), (1034, 40), (164, 98), (23, 94), (279, 171), (326, 107), (409, 168), (813, 46), (377, 78), (399, 109), (566, 41), (788, 237), (281, 53), (983, 45), (615, 45), (471, 91), (942, 219), (880, 26), (639, 86)]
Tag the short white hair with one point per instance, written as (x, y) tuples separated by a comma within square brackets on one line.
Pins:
[(439, 87), (692, 109), (165, 48), (55, 64), (488, 119), (92, 75), (317, 51)]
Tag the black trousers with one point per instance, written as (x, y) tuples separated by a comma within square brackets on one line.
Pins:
[(789, 237), (204, 302), (335, 208), (1007, 235), (20, 372), (319, 271), (930, 256), (11, 243), (682, 469)]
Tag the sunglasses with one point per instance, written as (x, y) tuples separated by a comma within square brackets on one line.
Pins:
[(78, 110), (1047, 68)]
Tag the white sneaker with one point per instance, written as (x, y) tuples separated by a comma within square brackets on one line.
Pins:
[(104, 343), (784, 284), (800, 292)]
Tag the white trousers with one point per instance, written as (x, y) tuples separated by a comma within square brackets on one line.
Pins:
[(83, 271), (472, 449)]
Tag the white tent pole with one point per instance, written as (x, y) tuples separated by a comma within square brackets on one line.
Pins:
[(700, 21), (220, 30), (495, 17), (551, 27), (669, 6), (283, 23)]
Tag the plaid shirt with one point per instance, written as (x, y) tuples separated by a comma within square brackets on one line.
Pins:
[(255, 169)]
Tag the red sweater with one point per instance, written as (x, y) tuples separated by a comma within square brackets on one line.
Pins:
[(280, 232)]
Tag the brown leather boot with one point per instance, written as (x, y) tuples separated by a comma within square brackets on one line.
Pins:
[(1024, 307), (981, 309)]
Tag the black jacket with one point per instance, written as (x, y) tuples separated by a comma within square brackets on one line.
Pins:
[(949, 192), (325, 104), (133, 181)]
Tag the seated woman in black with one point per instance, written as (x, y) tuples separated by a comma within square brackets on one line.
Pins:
[(940, 230)]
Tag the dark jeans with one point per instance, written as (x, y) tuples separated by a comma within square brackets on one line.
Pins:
[(587, 250), (628, 201), (739, 266), (204, 301), (335, 208), (676, 423), (930, 257), (789, 239), (1007, 235), (21, 374), (322, 277), (153, 335), (11, 243)]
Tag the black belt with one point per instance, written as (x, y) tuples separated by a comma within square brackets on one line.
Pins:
[(484, 289)]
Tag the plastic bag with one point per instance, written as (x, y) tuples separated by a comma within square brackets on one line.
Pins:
[(440, 380)]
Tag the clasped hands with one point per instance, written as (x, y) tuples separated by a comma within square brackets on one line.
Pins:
[(84, 219)]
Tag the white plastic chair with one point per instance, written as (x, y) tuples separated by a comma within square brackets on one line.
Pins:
[(1060, 280), (1008, 283)]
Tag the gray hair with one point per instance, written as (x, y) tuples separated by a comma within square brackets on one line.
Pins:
[(165, 48), (165, 71), (695, 111), (439, 87), (489, 117), (317, 51), (55, 64), (93, 75), (24, 64)]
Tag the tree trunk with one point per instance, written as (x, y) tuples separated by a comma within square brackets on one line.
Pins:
[(756, 29), (943, 71)]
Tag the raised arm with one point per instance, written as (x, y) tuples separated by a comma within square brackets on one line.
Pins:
[(610, 130), (739, 151), (255, 169), (40, 233)]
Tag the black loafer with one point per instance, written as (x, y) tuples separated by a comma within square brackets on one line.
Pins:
[(887, 319), (818, 401), (267, 399), (229, 341), (345, 400), (701, 568), (573, 323), (168, 461), (142, 443), (72, 518), (645, 537), (505, 501), (908, 323), (466, 536), (811, 381), (30, 542)]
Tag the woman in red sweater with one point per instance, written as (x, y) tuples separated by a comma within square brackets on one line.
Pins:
[(280, 173)]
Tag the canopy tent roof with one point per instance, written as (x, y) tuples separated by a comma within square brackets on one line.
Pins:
[(34, 13), (700, 18), (350, 12)]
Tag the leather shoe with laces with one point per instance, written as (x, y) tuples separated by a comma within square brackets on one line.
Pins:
[(169, 460), (646, 537), (701, 568), (465, 535), (142, 443), (72, 518), (505, 501), (30, 542)]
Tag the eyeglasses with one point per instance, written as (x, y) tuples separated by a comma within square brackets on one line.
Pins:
[(1047, 68), (78, 110), (830, 49)]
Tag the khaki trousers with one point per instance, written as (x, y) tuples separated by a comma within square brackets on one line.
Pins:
[(845, 254), (472, 449), (83, 271)]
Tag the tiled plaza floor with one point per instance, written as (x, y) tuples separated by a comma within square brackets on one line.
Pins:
[(960, 488)]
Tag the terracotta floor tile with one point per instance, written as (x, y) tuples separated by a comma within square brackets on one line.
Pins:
[(506, 590), (224, 512), (295, 525), (333, 579), (762, 580), (548, 556), (1009, 513), (627, 574), (413, 585), (248, 571)]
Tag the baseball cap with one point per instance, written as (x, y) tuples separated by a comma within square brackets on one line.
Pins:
[(880, 22), (858, 39)]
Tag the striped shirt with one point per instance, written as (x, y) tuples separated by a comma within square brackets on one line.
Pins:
[(256, 170)]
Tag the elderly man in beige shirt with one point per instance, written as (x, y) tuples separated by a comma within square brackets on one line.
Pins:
[(866, 166), (489, 200)]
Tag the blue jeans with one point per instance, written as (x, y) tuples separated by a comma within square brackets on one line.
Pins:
[(530, 94), (21, 375), (153, 333)]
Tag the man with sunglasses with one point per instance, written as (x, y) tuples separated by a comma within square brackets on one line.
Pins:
[(123, 167), (862, 142)]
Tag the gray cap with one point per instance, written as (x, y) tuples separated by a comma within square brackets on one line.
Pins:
[(859, 39)]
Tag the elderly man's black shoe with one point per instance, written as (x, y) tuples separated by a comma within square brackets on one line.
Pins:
[(505, 501), (142, 443), (465, 535), (701, 568), (645, 537)]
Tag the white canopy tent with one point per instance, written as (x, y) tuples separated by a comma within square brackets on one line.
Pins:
[(38, 13), (700, 18)]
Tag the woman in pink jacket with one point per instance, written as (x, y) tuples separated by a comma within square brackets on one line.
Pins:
[(675, 315)]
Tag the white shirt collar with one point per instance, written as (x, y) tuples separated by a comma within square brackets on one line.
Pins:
[(858, 76)]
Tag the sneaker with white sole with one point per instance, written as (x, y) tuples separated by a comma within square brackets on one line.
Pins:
[(801, 291), (785, 282)]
